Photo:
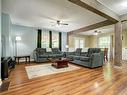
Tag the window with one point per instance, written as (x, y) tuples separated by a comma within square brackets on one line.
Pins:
[(46, 42), (79, 43), (45, 39), (104, 42), (55, 39)]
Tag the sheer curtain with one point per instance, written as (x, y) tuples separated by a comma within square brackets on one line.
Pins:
[(49, 39), (45, 39), (55, 39)]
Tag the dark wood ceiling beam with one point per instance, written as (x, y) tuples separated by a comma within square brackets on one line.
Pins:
[(91, 27), (124, 20)]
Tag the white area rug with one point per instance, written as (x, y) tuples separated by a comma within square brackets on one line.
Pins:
[(46, 69)]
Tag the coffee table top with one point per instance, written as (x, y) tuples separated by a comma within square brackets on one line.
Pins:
[(58, 59)]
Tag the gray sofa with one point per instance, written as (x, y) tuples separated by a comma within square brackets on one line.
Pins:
[(93, 58), (74, 55), (56, 53), (41, 55)]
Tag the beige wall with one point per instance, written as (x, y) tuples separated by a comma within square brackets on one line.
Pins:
[(72, 39), (124, 41), (91, 41)]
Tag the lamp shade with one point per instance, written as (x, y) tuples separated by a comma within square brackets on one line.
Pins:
[(18, 38), (67, 46)]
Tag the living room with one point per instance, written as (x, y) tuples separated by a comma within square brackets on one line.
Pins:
[(63, 47)]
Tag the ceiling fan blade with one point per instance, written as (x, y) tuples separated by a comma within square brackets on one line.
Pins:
[(52, 22), (63, 23)]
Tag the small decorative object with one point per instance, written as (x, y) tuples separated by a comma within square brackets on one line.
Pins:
[(67, 48)]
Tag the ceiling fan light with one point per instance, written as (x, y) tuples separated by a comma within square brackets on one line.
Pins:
[(57, 25), (95, 33)]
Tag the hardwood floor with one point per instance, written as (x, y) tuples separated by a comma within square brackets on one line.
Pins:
[(85, 81)]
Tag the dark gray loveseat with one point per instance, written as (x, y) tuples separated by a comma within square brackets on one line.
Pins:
[(93, 58), (41, 55)]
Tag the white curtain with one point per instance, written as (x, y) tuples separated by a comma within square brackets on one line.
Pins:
[(45, 38), (55, 39)]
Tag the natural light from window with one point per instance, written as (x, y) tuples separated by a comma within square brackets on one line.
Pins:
[(79, 42)]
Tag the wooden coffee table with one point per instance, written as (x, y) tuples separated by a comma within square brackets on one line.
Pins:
[(59, 63)]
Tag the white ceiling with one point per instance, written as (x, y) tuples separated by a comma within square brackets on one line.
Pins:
[(118, 6), (40, 13)]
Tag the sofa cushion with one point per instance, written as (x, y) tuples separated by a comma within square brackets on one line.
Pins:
[(93, 50), (56, 51), (89, 52), (41, 50), (58, 55), (76, 57), (85, 58), (50, 56), (70, 56), (98, 50), (78, 51), (43, 56)]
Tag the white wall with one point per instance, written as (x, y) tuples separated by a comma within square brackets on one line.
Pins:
[(6, 36), (64, 41), (28, 39)]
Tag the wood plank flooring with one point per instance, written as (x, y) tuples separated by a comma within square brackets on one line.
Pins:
[(105, 80)]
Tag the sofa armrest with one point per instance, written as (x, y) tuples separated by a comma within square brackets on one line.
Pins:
[(102, 56), (96, 60), (35, 55)]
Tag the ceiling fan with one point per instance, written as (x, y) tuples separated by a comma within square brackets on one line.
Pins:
[(58, 22), (97, 32)]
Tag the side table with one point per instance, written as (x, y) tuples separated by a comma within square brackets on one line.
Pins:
[(25, 56)]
